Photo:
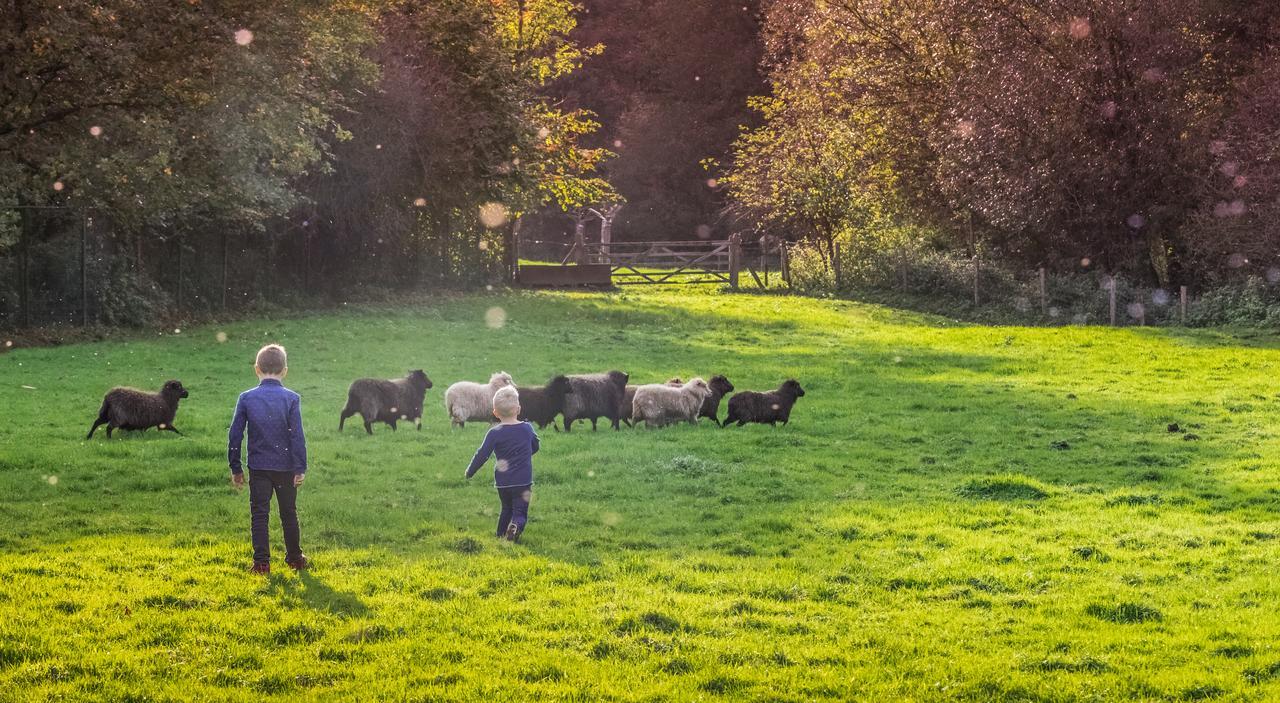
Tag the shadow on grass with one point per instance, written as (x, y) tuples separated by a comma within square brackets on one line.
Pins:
[(318, 595)]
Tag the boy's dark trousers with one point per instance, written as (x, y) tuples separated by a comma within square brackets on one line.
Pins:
[(515, 508), (261, 486)]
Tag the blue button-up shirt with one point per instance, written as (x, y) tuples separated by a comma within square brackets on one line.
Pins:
[(274, 416)]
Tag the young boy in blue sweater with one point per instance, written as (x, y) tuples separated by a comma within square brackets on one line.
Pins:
[(514, 443), (277, 456)]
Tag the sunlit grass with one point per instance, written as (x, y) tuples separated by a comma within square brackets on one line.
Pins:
[(955, 513)]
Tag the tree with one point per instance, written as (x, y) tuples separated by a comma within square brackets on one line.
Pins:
[(1057, 132)]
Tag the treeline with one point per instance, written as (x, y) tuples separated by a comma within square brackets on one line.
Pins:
[(1136, 137), (394, 142)]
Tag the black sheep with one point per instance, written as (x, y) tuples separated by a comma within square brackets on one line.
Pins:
[(386, 401), (132, 409), (771, 407), (720, 387), (595, 396), (541, 404)]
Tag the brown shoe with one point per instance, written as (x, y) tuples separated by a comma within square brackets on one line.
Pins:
[(298, 564), (260, 569)]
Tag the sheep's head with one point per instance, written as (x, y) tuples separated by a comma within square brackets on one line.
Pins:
[(500, 379), (618, 378), (792, 386), (721, 385), (699, 387), (174, 389), (419, 379), (559, 385)]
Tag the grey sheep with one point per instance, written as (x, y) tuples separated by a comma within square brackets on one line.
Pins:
[(720, 387), (771, 407), (132, 409), (467, 401), (595, 396), (661, 404), (387, 401), (541, 404), (629, 397)]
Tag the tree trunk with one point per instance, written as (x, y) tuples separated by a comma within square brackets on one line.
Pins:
[(1158, 250)]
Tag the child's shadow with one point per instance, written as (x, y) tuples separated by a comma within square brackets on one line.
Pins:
[(318, 595)]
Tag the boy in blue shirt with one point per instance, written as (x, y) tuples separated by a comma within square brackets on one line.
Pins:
[(277, 456), (514, 443)]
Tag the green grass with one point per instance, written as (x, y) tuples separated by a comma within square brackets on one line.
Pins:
[(955, 513)]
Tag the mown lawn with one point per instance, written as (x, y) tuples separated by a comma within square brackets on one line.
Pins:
[(955, 513)]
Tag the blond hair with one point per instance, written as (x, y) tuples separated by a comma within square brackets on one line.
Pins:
[(272, 360), (506, 402)]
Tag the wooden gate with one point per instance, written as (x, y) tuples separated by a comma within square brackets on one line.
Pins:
[(684, 262)]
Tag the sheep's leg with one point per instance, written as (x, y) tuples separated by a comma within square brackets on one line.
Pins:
[(342, 420), (417, 423), (368, 426), (174, 430), (568, 424), (109, 429), (392, 423), (96, 424), (593, 423)]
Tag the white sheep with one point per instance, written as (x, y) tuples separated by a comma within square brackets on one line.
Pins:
[(466, 400), (660, 404)]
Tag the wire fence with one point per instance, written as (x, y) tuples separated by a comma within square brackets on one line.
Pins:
[(61, 266)]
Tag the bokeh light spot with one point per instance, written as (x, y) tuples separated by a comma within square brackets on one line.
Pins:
[(221, 337), (495, 317), (493, 215), (1080, 28), (244, 37)]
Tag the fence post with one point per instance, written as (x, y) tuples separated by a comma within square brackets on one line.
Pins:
[(786, 263), (1142, 309), (225, 254), (977, 263), (1044, 293), (1183, 293), (735, 259), (84, 269), (836, 267), (1111, 287), (180, 257)]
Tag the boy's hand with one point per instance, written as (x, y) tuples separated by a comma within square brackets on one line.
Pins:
[(237, 481), (298, 479)]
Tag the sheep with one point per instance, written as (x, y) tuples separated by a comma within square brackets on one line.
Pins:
[(467, 401), (595, 396), (132, 409), (389, 401), (629, 396), (540, 405), (771, 407), (720, 387), (660, 404)]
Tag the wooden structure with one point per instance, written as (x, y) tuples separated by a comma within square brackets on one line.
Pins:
[(690, 262), (564, 276)]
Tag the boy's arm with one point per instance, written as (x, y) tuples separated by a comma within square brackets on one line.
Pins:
[(482, 454), (536, 444), (235, 437), (297, 440)]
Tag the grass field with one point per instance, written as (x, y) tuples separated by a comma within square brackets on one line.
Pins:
[(955, 513)]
